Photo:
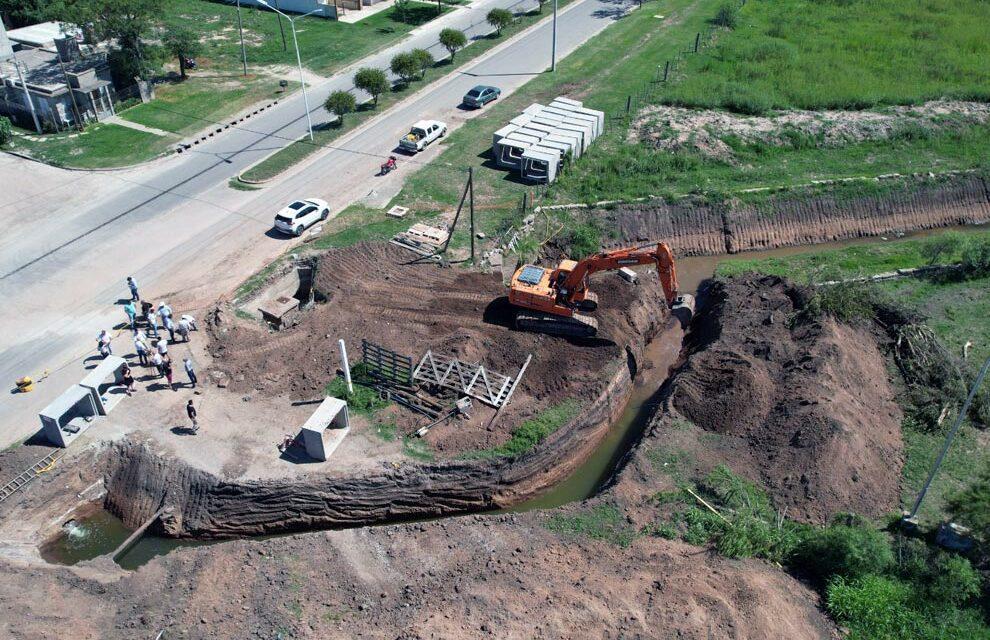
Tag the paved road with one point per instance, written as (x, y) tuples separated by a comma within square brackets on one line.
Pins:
[(183, 233)]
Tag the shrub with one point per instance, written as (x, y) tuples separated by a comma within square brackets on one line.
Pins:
[(453, 40), (340, 103), (6, 131), (976, 257), (405, 66), (372, 81), (971, 506), (872, 606), (582, 240), (424, 60), (941, 247), (500, 19), (727, 16), (364, 400), (851, 548), (847, 302)]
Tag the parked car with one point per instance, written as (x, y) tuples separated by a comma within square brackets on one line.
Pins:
[(481, 95), (300, 215), (421, 134)]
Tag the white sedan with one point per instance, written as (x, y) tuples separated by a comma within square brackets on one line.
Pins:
[(300, 215)]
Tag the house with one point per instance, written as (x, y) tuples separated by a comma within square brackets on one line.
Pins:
[(53, 85)]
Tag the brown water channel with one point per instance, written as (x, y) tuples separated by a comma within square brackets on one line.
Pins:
[(101, 532)]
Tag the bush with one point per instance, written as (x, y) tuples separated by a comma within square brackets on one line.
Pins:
[(6, 131), (851, 549), (971, 506), (582, 240), (941, 247), (727, 16), (871, 606), (372, 81), (846, 302), (500, 19), (364, 400), (976, 257)]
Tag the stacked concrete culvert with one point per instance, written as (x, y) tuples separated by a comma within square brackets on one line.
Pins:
[(535, 143)]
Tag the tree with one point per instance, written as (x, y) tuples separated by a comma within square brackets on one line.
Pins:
[(727, 16), (372, 81), (125, 22), (6, 131), (339, 103), (500, 19), (945, 245), (182, 43), (976, 256), (452, 40), (424, 60), (405, 66)]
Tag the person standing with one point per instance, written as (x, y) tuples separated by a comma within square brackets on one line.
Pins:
[(191, 412), (131, 312), (103, 343), (167, 369), (141, 348), (127, 379), (164, 310), (183, 329), (170, 327), (153, 324), (187, 363), (162, 348), (158, 362), (132, 285)]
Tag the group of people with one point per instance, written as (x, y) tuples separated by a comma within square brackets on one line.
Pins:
[(150, 345)]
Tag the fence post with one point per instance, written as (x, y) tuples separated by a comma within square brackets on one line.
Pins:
[(697, 42), (666, 70), (628, 104)]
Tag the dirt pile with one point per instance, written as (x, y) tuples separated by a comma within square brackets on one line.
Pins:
[(375, 292), (806, 410), (789, 220), (707, 131), (484, 577)]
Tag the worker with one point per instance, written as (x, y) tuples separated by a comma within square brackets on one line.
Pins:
[(103, 343), (158, 361), (191, 320), (162, 347), (153, 324), (141, 348), (188, 365), (164, 310), (183, 329), (127, 379), (167, 370), (191, 412), (132, 285), (169, 326), (131, 312)]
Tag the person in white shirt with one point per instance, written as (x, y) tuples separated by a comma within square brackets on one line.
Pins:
[(187, 363), (162, 347), (183, 329), (191, 320), (158, 362), (141, 348)]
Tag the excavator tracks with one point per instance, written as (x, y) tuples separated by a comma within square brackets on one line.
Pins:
[(577, 326)]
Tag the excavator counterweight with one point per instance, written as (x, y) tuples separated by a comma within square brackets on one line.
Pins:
[(554, 300)]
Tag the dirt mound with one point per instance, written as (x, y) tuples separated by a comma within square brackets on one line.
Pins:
[(375, 292), (705, 130), (806, 410)]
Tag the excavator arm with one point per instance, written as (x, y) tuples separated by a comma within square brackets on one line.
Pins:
[(575, 284)]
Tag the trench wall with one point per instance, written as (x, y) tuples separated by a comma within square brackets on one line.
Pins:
[(140, 481), (693, 229)]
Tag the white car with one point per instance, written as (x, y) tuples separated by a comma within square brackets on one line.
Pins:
[(421, 134), (300, 215)]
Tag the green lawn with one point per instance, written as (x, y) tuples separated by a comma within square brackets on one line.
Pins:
[(303, 148), (99, 146), (324, 45), (842, 54), (871, 257)]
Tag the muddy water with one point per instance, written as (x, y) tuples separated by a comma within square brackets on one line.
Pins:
[(101, 533)]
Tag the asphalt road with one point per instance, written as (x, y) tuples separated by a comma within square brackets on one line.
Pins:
[(184, 234)]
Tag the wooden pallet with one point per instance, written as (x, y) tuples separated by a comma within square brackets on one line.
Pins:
[(29, 474)]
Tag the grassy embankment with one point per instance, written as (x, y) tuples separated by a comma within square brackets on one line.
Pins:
[(303, 148), (216, 89)]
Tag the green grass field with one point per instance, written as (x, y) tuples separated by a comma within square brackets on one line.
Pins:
[(842, 54), (99, 146)]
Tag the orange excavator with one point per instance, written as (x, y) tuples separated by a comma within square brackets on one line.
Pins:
[(549, 300)]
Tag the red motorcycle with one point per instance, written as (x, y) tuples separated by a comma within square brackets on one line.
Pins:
[(388, 165)]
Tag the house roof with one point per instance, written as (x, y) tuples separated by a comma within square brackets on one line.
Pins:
[(42, 34)]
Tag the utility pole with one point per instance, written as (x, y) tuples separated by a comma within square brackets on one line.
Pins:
[(948, 441), (553, 42), (295, 42), (471, 207), (27, 95), (240, 30)]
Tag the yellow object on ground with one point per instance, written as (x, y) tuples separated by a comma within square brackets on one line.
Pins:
[(25, 384)]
